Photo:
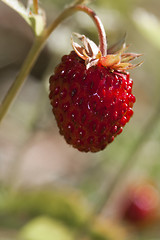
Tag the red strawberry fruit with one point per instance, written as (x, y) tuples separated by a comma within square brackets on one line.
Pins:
[(141, 204), (91, 95)]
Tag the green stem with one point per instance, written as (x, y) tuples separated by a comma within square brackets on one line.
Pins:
[(26, 67), (37, 47), (30, 60)]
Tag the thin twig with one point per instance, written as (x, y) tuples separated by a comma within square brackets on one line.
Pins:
[(17, 84), (100, 27), (35, 6), (38, 45), (130, 159)]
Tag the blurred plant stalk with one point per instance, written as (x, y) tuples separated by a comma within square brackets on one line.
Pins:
[(35, 6), (41, 37)]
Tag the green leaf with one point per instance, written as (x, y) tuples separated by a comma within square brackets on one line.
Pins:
[(45, 228), (148, 25), (67, 206), (35, 21)]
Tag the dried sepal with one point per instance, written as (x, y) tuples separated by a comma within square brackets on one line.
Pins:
[(88, 51), (117, 46), (126, 66), (120, 60), (110, 60), (92, 55), (126, 57)]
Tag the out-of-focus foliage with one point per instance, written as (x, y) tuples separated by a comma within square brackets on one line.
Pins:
[(53, 215), (21, 206), (102, 228), (149, 25), (45, 228), (33, 154)]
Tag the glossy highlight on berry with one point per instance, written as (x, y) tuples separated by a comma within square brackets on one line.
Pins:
[(95, 103)]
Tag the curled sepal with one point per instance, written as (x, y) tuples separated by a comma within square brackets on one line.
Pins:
[(120, 61), (126, 57), (126, 66), (91, 54), (88, 50), (117, 46)]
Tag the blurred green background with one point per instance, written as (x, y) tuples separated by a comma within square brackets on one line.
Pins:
[(48, 189)]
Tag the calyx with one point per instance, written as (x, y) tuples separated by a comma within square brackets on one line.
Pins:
[(92, 55)]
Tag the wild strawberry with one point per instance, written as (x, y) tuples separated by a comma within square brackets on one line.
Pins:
[(91, 95), (141, 204)]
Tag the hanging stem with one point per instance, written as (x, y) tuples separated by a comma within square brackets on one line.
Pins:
[(100, 28), (96, 20), (38, 45)]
